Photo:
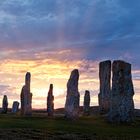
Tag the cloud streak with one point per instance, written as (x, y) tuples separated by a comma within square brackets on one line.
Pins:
[(50, 38)]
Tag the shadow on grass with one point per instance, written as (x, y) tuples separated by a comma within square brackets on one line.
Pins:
[(42, 127)]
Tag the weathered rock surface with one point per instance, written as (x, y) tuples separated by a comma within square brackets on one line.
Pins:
[(50, 101), (104, 95), (26, 96), (86, 106), (72, 98), (5, 104), (15, 107), (137, 112), (122, 105)]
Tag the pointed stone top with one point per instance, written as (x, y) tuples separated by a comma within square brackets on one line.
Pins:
[(28, 80), (74, 74), (50, 92), (87, 92), (51, 86), (28, 75), (5, 97)]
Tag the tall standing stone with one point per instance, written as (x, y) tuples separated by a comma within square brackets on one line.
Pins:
[(104, 95), (50, 101), (15, 107), (72, 98), (122, 105), (87, 103), (4, 104), (26, 96)]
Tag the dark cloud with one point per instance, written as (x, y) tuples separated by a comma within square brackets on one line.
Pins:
[(94, 30)]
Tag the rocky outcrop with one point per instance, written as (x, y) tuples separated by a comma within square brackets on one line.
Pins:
[(86, 107), (72, 98), (122, 105), (4, 104), (50, 101), (26, 96), (104, 95), (15, 107)]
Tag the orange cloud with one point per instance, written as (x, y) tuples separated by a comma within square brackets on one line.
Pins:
[(53, 71), (44, 72)]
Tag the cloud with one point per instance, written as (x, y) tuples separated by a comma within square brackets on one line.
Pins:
[(4, 89), (50, 38), (106, 21), (10, 91), (43, 73)]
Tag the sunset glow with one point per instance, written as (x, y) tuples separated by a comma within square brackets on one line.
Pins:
[(51, 71), (43, 73), (51, 38)]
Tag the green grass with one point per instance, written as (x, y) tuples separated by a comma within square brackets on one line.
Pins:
[(91, 126)]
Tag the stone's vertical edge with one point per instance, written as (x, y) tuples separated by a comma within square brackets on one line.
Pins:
[(50, 101), (29, 95), (122, 104), (26, 96), (15, 107), (5, 104), (105, 87), (22, 101), (28, 80), (73, 96), (86, 106)]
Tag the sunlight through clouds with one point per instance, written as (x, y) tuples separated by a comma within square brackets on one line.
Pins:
[(44, 73), (49, 38)]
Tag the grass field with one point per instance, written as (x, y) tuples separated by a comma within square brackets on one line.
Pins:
[(41, 127)]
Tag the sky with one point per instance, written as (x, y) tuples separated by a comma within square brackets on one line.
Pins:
[(50, 38)]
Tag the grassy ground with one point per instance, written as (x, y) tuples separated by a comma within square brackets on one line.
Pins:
[(42, 127)]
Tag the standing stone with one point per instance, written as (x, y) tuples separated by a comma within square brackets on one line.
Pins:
[(26, 96), (5, 104), (104, 95), (15, 107), (72, 98), (122, 105), (50, 103), (87, 103)]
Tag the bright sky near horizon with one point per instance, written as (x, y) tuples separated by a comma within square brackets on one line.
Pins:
[(49, 38)]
